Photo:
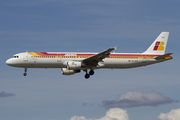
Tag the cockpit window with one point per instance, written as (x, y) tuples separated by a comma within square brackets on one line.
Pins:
[(15, 56)]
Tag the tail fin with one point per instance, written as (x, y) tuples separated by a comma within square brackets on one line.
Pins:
[(159, 45)]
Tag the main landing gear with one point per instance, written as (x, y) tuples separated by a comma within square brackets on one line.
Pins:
[(91, 72), (25, 70)]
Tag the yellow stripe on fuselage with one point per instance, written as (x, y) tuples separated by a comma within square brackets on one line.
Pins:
[(145, 58)]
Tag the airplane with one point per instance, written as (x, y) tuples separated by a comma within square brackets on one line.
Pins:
[(73, 62)]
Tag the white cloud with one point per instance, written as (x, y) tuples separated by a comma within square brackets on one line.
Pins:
[(135, 98), (112, 114), (78, 118), (172, 115), (120, 114)]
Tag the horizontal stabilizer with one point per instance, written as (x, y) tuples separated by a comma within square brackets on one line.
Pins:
[(163, 56)]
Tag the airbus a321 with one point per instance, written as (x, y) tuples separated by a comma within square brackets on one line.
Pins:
[(75, 62)]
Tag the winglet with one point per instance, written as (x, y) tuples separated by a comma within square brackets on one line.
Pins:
[(115, 48)]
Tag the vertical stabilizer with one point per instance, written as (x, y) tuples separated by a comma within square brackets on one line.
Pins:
[(159, 45)]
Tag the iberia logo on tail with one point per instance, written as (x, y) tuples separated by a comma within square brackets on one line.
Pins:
[(159, 46)]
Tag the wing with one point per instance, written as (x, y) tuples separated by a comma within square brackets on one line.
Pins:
[(93, 60)]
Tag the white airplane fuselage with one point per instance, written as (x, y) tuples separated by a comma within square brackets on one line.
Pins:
[(59, 60), (73, 62)]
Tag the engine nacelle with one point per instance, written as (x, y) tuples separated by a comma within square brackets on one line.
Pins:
[(66, 71), (72, 65)]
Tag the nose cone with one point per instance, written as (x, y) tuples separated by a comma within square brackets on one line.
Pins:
[(9, 62)]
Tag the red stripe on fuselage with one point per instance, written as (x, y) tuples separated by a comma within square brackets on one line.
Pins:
[(91, 54)]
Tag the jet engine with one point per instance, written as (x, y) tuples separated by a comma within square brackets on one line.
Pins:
[(72, 65), (66, 71)]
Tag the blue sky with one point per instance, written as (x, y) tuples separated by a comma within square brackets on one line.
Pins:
[(87, 26)]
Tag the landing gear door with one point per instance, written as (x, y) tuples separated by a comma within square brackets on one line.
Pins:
[(25, 57), (58, 57)]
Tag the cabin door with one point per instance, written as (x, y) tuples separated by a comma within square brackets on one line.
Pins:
[(58, 57), (144, 59), (25, 57)]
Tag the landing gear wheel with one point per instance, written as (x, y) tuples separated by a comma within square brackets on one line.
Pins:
[(25, 74), (87, 76), (25, 70), (91, 72)]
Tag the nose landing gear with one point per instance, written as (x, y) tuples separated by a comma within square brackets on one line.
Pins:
[(25, 72)]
